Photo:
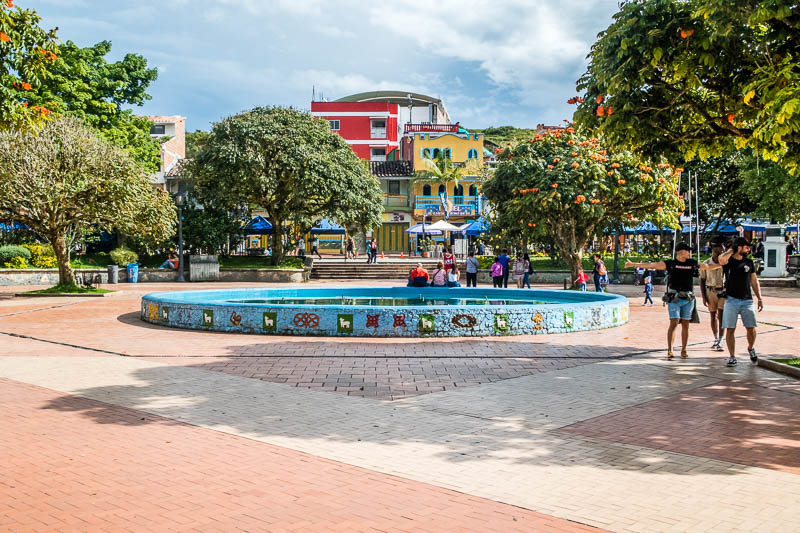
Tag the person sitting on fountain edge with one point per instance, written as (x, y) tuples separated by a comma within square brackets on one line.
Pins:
[(418, 277)]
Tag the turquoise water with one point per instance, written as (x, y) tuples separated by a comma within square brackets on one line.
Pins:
[(387, 302)]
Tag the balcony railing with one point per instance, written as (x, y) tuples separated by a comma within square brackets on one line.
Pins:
[(426, 127), (395, 200), (422, 202)]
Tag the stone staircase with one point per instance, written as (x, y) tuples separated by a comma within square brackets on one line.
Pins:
[(359, 269)]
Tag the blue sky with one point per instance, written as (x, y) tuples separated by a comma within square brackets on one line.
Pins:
[(492, 62)]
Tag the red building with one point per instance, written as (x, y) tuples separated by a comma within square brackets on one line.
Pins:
[(370, 128)]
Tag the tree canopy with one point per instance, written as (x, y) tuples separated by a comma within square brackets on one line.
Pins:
[(83, 84), (64, 180), (26, 52), (699, 77), (289, 164), (566, 181)]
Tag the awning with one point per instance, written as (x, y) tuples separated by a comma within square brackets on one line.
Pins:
[(328, 227), (417, 230), (258, 226)]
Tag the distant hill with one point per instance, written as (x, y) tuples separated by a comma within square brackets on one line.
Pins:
[(501, 135)]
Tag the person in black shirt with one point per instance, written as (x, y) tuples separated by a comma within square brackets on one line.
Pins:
[(740, 284), (680, 291)]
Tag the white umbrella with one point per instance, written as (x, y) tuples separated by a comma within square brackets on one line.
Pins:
[(443, 226), (417, 229)]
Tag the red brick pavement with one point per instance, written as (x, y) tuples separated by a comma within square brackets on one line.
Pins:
[(124, 470), (739, 422)]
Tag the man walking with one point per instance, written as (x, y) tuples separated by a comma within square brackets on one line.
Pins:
[(740, 284), (504, 261), (680, 291), (712, 290), (315, 246)]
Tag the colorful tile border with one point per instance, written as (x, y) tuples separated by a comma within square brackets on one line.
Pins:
[(233, 311)]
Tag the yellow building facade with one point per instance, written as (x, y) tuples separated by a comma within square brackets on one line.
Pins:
[(465, 150)]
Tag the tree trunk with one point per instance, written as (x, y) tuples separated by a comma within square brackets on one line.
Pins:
[(65, 274), (277, 239)]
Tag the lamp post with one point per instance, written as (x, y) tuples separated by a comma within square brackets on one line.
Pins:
[(180, 200)]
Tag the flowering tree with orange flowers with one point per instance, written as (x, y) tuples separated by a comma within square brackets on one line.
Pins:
[(572, 185), (26, 50)]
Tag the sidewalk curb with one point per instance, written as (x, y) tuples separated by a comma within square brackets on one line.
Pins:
[(780, 367)]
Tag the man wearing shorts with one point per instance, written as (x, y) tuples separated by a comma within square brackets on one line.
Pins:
[(680, 292), (712, 289), (740, 284)]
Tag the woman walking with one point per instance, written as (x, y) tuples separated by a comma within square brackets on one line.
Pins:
[(519, 270), (526, 281)]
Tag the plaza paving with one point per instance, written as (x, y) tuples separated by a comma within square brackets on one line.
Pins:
[(113, 424)]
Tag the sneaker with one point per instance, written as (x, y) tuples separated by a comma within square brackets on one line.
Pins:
[(684, 355), (753, 355), (670, 355), (732, 361), (719, 347), (716, 345)]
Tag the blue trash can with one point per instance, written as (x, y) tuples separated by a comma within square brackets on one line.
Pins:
[(133, 273)]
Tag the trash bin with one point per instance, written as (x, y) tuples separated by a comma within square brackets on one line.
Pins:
[(113, 273), (133, 273)]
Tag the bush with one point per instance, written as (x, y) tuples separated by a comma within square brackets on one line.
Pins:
[(123, 256), (42, 255), (7, 253), (485, 262), (16, 262)]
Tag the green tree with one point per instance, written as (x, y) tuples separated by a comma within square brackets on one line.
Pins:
[(568, 183), (289, 164), (700, 77), (65, 180), (26, 52), (83, 84), (195, 141)]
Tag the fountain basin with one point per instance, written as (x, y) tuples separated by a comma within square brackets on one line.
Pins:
[(386, 312)]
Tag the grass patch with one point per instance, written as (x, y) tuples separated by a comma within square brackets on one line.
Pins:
[(70, 289), (790, 362)]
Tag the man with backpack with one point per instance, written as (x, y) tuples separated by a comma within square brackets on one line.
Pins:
[(600, 273)]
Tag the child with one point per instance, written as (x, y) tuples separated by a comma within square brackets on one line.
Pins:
[(648, 291), (581, 281), (497, 273)]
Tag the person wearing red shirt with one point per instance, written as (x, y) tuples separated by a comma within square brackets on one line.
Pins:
[(418, 277)]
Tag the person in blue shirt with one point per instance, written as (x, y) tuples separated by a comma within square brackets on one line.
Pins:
[(648, 290), (505, 260)]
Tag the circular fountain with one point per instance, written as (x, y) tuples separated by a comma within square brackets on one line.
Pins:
[(386, 312)]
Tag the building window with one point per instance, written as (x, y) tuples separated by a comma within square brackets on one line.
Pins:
[(378, 129), (426, 153), (394, 187), (377, 154), (448, 153), (334, 125), (458, 190), (426, 190), (472, 154), (442, 189), (473, 190), (436, 153), (158, 129)]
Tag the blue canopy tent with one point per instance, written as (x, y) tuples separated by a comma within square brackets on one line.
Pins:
[(476, 227), (725, 228), (258, 226), (328, 227), (12, 226)]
